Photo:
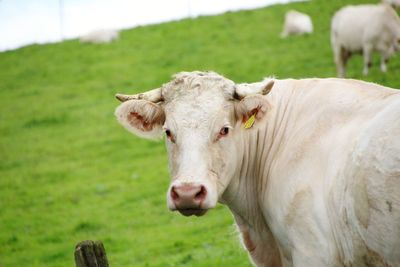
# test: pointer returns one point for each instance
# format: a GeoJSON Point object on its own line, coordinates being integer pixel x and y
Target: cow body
{"type": "Point", "coordinates": [315, 181]}
{"type": "Point", "coordinates": [364, 29]}
{"type": "Point", "coordinates": [393, 3]}
{"type": "Point", "coordinates": [326, 173]}
{"type": "Point", "coordinates": [296, 23]}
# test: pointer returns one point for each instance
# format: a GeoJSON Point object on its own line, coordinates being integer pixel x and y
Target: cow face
{"type": "Point", "coordinates": [201, 115]}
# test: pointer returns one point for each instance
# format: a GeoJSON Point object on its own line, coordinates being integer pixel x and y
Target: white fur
{"type": "Point", "coordinates": [393, 3]}
{"type": "Point", "coordinates": [100, 36]}
{"type": "Point", "coordinates": [296, 23]}
{"type": "Point", "coordinates": [364, 28]}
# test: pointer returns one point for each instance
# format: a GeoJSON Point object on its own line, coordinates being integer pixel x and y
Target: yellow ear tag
{"type": "Point", "coordinates": [250, 121]}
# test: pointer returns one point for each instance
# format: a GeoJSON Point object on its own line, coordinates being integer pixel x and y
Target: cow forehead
{"type": "Point", "coordinates": [197, 85]}
{"type": "Point", "coordinates": [198, 112]}
{"type": "Point", "coordinates": [197, 98]}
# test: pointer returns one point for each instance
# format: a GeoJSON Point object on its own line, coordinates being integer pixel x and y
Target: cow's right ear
{"type": "Point", "coordinates": [141, 117]}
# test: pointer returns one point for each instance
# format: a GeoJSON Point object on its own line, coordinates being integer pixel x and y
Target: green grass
{"type": "Point", "coordinates": [69, 172]}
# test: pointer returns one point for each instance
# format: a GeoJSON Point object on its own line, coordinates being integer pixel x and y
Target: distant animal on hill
{"type": "Point", "coordinates": [309, 168]}
{"type": "Point", "coordinates": [364, 29]}
{"type": "Point", "coordinates": [393, 3]}
{"type": "Point", "coordinates": [100, 36]}
{"type": "Point", "coordinates": [296, 23]}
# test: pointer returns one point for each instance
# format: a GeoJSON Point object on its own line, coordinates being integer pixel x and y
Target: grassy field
{"type": "Point", "coordinates": [69, 172]}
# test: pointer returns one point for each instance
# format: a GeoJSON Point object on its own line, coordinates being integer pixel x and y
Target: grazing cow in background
{"type": "Point", "coordinates": [393, 3]}
{"type": "Point", "coordinates": [296, 23]}
{"type": "Point", "coordinates": [364, 29]}
{"type": "Point", "coordinates": [100, 36]}
{"type": "Point", "coordinates": [309, 168]}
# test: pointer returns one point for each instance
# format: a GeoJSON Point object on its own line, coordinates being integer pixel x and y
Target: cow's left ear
{"type": "Point", "coordinates": [253, 104]}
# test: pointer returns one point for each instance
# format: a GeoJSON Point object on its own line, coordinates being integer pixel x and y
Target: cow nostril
{"type": "Point", "coordinates": [201, 194]}
{"type": "Point", "coordinates": [174, 194]}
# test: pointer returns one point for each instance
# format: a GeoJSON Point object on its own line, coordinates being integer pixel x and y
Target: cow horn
{"type": "Point", "coordinates": [244, 89]}
{"type": "Point", "coordinates": [154, 96]}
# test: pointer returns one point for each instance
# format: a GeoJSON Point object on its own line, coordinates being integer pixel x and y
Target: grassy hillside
{"type": "Point", "coordinates": [68, 172]}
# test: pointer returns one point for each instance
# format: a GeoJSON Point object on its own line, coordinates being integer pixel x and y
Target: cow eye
{"type": "Point", "coordinates": [169, 135]}
{"type": "Point", "coordinates": [224, 131]}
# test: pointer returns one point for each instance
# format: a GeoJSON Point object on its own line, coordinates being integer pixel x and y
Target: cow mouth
{"type": "Point", "coordinates": [190, 212]}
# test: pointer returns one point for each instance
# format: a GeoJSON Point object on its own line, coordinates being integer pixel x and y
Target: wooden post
{"type": "Point", "coordinates": [90, 253]}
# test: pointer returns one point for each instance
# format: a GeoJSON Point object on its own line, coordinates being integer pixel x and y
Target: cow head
{"type": "Point", "coordinates": [202, 116]}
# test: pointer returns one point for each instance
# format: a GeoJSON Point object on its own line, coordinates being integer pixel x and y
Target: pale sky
{"type": "Point", "coordinates": [25, 22]}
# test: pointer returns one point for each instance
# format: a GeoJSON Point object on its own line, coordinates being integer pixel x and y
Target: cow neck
{"type": "Point", "coordinates": [257, 148]}
{"type": "Point", "coordinates": [242, 194]}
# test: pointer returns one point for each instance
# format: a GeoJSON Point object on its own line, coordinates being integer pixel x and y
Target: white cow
{"type": "Point", "coordinates": [296, 23]}
{"type": "Point", "coordinates": [309, 168]}
{"type": "Point", "coordinates": [100, 36]}
{"type": "Point", "coordinates": [393, 3]}
{"type": "Point", "coordinates": [364, 28]}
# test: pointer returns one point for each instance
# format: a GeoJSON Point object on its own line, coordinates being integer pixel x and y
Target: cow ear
{"type": "Point", "coordinates": [251, 109]}
{"type": "Point", "coordinates": [141, 117]}
{"type": "Point", "coordinates": [253, 106]}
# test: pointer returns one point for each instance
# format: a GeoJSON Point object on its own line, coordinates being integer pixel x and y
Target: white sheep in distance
{"type": "Point", "coordinates": [296, 23]}
{"type": "Point", "coordinates": [100, 36]}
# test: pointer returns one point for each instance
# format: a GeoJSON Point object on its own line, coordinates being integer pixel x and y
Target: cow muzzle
{"type": "Point", "coordinates": [188, 198]}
